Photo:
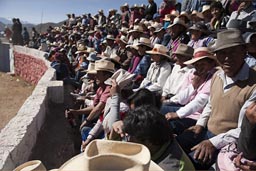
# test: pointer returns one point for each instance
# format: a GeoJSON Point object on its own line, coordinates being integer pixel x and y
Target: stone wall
{"type": "Point", "coordinates": [19, 136]}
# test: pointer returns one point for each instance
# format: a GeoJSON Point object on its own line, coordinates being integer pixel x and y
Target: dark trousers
{"type": "Point", "coordinates": [188, 139]}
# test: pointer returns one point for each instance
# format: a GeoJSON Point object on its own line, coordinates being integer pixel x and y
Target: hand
{"type": "Point", "coordinates": [197, 129]}
{"type": "Point", "coordinates": [118, 128]}
{"type": "Point", "coordinates": [85, 123]}
{"type": "Point", "coordinates": [245, 166]}
{"type": "Point", "coordinates": [171, 116]}
{"type": "Point", "coordinates": [241, 7]}
{"type": "Point", "coordinates": [204, 151]}
{"type": "Point", "coordinates": [114, 88]}
{"type": "Point", "coordinates": [85, 143]}
{"type": "Point", "coordinates": [163, 98]}
{"type": "Point", "coordinates": [251, 113]}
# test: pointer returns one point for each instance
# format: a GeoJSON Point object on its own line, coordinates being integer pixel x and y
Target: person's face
{"type": "Point", "coordinates": [101, 77]}
{"type": "Point", "coordinates": [195, 34]}
{"type": "Point", "coordinates": [180, 59]}
{"type": "Point", "coordinates": [141, 50]}
{"type": "Point", "coordinates": [156, 58]}
{"type": "Point", "coordinates": [216, 12]}
{"type": "Point", "coordinates": [174, 31]}
{"type": "Point", "coordinates": [203, 67]}
{"type": "Point", "coordinates": [231, 59]}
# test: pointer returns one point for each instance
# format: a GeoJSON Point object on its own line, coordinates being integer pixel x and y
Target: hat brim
{"type": "Point", "coordinates": [192, 61]}
{"type": "Point", "coordinates": [158, 53]}
{"type": "Point", "coordinates": [183, 54]}
{"type": "Point", "coordinates": [77, 163]}
{"type": "Point", "coordinates": [227, 46]}
{"type": "Point", "coordinates": [184, 25]}
{"type": "Point", "coordinates": [143, 44]}
{"type": "Point", "coordinates": [104, 69]}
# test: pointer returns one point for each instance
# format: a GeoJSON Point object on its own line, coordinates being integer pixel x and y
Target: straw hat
{"type": "Point", "coordinates": [112, 155]}
{"type": "Point", "coordinates": [196, 13]}
{"type": "Point", "coordinates": [167, 17]}
{"type": "Point", "coordinates": [91, 69]}
{"type": "Point", "coordinates": [122, 77]}
{"type": "Point", "coordinates": [90, 50]}
{"type": "Point", "coordinates": [185, 14]}
{"type": "Point", "coordinates": [136, 28]}
{"type": "Point", "coordinates": [80, 48]}
{"type": "Point", "coordinates": [184, 50]}
{"type": "Point", "coordinates": [228, 38]}
{"type": "Point", "coordinates": [176, 21]}
{"type": "Point", "coordinates": [115, 59]}
{"type": "Point", "coordinates": [34, 165]}
{"type": "Point", "coordinates": [206, 8]}
{"type": "Point", "coordinates": [104, 65]}
{"type": "Point", "coordinates": [110, 37]}
{"type": "Point", "coordinates": [159, 50]}
{"type": "Point", "coordinates": [144, 41]}
{"type": "Point", "coordinates": [174, 13]}
{"type": "Point", "coordinates": [124, 30]}
{"type": "Point", "coordinates": [124, 39]}
{"type": "Point", "coordinates": [200, 53]}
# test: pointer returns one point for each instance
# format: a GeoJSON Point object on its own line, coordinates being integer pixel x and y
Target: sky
{"type": "Point", "coordinates": [37, 11]}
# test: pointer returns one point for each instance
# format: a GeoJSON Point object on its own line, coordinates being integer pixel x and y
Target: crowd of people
{"type": "Point", "coordinates": [177, 78]}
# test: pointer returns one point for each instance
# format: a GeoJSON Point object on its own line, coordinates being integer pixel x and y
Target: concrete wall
{"type": "Point", "coordinates": [19, 136]}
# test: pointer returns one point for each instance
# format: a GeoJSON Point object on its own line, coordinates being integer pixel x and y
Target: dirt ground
{"type": "Point", "coordinates": [13, 93]}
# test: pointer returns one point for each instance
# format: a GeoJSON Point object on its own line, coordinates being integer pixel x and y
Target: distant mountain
{"type": "Point", "coordinates": [2, 25]}
{"type": "Point", "coordinates": [5, 21]}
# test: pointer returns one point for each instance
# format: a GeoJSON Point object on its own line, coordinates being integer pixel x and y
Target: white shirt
{"type": "Point", "coordinates": [232, 135]}
{"type": "Point", "coordinates": [175, 81]}
{"type": "Point", "coordinates": [156, 76]}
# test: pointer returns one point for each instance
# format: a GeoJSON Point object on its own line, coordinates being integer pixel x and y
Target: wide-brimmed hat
{"type": "Point", "coordinates": [125, 5]}
{"type": "Point", "coordinates": [177, 21]}
{"type": "Point", "coordinates": [206, 8]}
{"type": "Point", "coordinates": [33, 165]}
{"type": "Point", "coordinates": [114, 58]}
{"type": "Point", "coordinates": [144, 41]}
{"type": "Point", "coordinates": [124, 30]}
{"type": "Point", "coordinates": [110, 37]}
{"type": "Point", "coordinates": [122, 77]}
{"type": "Point", "coordinates": [200, 53]}
{"type": "Point", "coordinates": [199, 27]}
{"type": "Point", "coordinates": [104, 65]}
{"type": "Point", "coordinates": [90, 50]}
{"type": "Point", "coordinates": [228, 38]}
{"type": "Point", "coordinates": [184, 50]}
{"type": "Point", "coordinates": [136, 28]}
{"type": "Point", "coordinates": [174, 13]}
{"type": "Point", "coordinates": [167, 17]}
{"type": "Point", "coordinates": [159, 50]}
{"type": "Point", "coordinates": [112, 155]}
{"type": "Point", "coordinates": [185, 14]}
{"type": "Point", "coordinates": [100, 11]}
{"type": "Point", "coordinates": [196, 13]}
{"type": "Point", "coordinates": [124, 39]}
{"type": "Point", "coordinates": [93, 57]}
{"type": "Point", "coordinates": [81, 48]}
{"type": "Point", "coordinates": [248, 37]}
{"type": "Point", "coordinates": [91, 68]}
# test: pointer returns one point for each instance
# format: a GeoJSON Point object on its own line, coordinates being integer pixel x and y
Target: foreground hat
{"type": "Point", "coordinates": [159, 50]}
{"type": "Point", "coordinates": [104, 65]}
{"type": "Point", "coordinates": [112, 155]}
{"type": "Point", "coordinates": [200, 53]}
{"type": "Point", "coordinates": [122, 77]}
{"type": "Point", "coordinates": [91, 69]}
{"type": "Point", "coordinates": [144, 41]}
{"type": "Point", "coordinates": [228, 38]}
{"type": "Point", "coordinates": [177, 21]}
{"type": "Point", "coordinates": [34, 165]}
{"type": "Point", "coordinates": [184, 50]}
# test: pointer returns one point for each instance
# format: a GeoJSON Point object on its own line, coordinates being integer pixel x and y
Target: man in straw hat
{"type": "Point", "coordinates": [180, 71]}
{"type": "Point", "coordinates": [104, 69]}
{"type": "Point", "coordinates": [225, 110]}
{"type": "Point", "coordinates": [158, 70]}
{"type": "Point", "coordinates": [178, 34]}
{"type": "Point", "coordinates": [145, 125]}
{"type": "Point", "coordinates": [195, 96]}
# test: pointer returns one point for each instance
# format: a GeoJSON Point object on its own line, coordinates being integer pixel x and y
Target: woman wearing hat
{"type": "Point", "coordinates": [159, 70]}
{"type": "Point", "coordinates": [195, 96]}
{"type": "Point", "coordinates": [199, 36]}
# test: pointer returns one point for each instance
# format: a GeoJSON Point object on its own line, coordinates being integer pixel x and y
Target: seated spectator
{"type": "Point", "coordinates": [145, 125]}
{"type": "Point", "coordinates": [136, 57]}
{"type": "Point", "coordinates": [199, 36]}
{"type": "Point", "coordinates": [219, 18]}
{"type": "Point", "coordinates": [241, 155]}
{"type": "Point", "coordinates": [193, 98]}
{"type": "Point", "coordinates": [158, 70]}
{"type": "Point", "coordinates": [223, 113]}
{"type": "Point", "coordinates": [175, 81]}
{"type": "Point", "coordinates": [250, 39]}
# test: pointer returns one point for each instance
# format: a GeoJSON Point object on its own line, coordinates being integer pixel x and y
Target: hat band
{"type": "Point", "coordinates": [158, 51]}
{"type": "Point", "coordinates": [201, 54]}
